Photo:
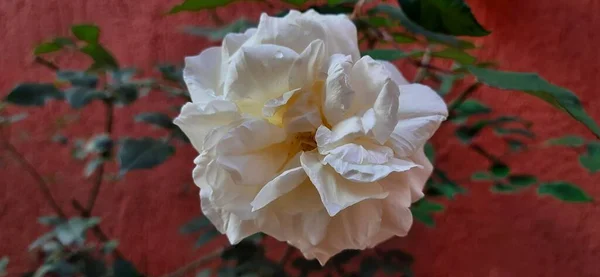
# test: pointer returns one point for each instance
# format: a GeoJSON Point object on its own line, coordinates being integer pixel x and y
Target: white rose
{"type": "Point", "coordinates": [303, 140]}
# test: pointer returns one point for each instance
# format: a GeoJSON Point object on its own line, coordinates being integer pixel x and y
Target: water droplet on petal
{"type": "Point", "coordinates": [279, 55]}
{"type": "Point", "coordinates": [343, 107]}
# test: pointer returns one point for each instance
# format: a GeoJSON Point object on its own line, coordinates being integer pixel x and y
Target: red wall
{"type": "Point", "coordinates": [480, 234]}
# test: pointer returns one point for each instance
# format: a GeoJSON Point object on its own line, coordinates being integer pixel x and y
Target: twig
{"type": "Point", "coordinates": [41, 183]}
{"type": "Point", "coordinates": [357, 9]}
{"type": "Point", "coordinates": [216, 18]}
{"type": "Point", "coordinates": [195, 264]}
{"type": "Point", "coordinates": [479, 150]}
{"type": "Point", "coordinates": [462, 97]}
{"type": "Point", "coordinates": [108, 126]}
{"type": "Point", "coordinates": [98, 232]}
{"type": "Point", "coordinates": [47, 63]}
{"type": "Point", "coordinates": [422, 71]}
{"type": "Point", "coordinates": [288, 254]}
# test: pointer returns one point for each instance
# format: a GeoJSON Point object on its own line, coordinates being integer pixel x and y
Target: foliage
{"type": "Point", "coordinates": [418, 31]}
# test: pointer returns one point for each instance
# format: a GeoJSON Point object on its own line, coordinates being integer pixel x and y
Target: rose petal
{"type": "Point", "coordinates": [340, 32]}
{"type": "Point", "coordinates": [395, 74]}
{"type": "Point", "coordinates": [343, 132]}
{"type": "Point", "coordinates": [202, 75]}
{"type": "Point", "coordinates": [336, 192]}
{"type": "Point", "coordinates": [291, 177]}
{"type": "Point", "coordinates": [339, 95]}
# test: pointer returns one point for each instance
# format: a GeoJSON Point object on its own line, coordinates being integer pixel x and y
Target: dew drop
{"type": "Point", "coordinates": [279, 55]}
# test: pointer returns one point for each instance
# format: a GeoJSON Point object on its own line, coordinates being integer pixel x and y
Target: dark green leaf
{"type": "Point", "coordinates": [430, 152]}
{"type": "Point", "coordinates": [86, 32]}
{"type": "Point", "coordinates": [391, 54]}
{"type": "Point", "coordinates": [92, 267]}
{"type": "Point", "coordinates": [195, 225]}
{"type": "Point", "coordinates": [568, 140]}
{"type": "Point", "coordinates": [397, 14]}
{"type": "Point", "coordinates": [73, 231]}
{"type": "Point", "coordinates": [32, 94]}
{"type": "Point", "coordinates": [79, 97]}
{"type": "Point", "coordinates": [52, 46]}
{"type": "Point", "coordinates": [303, 264]}
{"type": "Point", "coordinates": [423, 209]}
{"type": "Point", "coordinates": [242, 252]}
{"type": "Point", "coordinates": [78, 78]}
{"type": "Point", "coordinates": [591, 158]}
{"type": "Point", "coordinates": [522, 180]}
{"type": "Point", "coordinates": [51, 220]}
{"type": "Point", "coordinates": [126, 94]}
{"type": "Point", "coordinates": [196, 5]}
{"type": "Point", "coordinates": [452, 17]}
{"type": "Point", "coordinates": [379, 21]}
{"type": "Point", "coordinates": [101, 57]}
{"type": "Point", "coordinates": [156, 119]}
{"type": "Point", "coordinates": [368, 267]}
{"type": "Point", "coordinates": [533, 84]}
{"type": "Point", "coordinates": [472, 107]}
{"type": "Point", "coordinates": [564, 191]}
{"type": "Point", "coordinates": [218, 33]}
{"type": "Point", "coordinates": [481, 176]}
{"type": "Point", "coordinates": [101, 143]}
{"type": "Point", "coordinates": [171, 72]}
{"type": "Point", "coordinates": [447, 83]}
{"type": "Point", "coordinates": [515, 145]}
{"type": "Point", "coordinates": [335, 2]}
{"type": "Point", "coordinates": [499, 170]}
{"type": "Point", "coordinates": [503, 188]}
{"type": "Point", "coordinates": [465, 133]}
{"type": "Point", "coordinates": [110, 246]}
{"type": "Point", "coordinates": [142, 153]}
{"type": "Point", "coordinates": [514, 131]}
{"type": "Point", "coordinates": [3, 264]}
{"type": "Point", "coordinates": [344, 257]}
{"type": "Point", "coordinates": [450, 190]}
{"type": "Point", "coordinates": [403, 38]}
{"type": "Point", "coordinates": [124, 268]}
{"type": "Point", "coordinates": [458, 55]}
{"type": "Point", "coordinates": [295, 2]}
{"type": "Point", "coordinates": [121, 76]}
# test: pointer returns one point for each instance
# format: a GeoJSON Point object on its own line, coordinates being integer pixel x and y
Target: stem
{"type": "Point", "coordinates": [357, 9]}
{"type": "Point", "coordinates": [47, 63]}
{"type": "Point", "coordinates": [108, 126]}
{"type": "Point", "coordinates": [288, 254]}
{"type": "Point", "coordinates": [422, 72]}
{"type": "Point", "coordinates": [98, 232]}
{"type": "Point", "coordinates": [475, 147]}
{"type": "Point", "coordinates": [462, 97]}
{"type": "Point", "coordinates": [216, 18]}
{"type": "Point", "coordinates": [41, 183]}
{"type": "Point", "coordinates": [195, 264]}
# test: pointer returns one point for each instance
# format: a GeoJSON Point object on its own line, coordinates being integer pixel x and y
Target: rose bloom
{"type": "Point", "coordinates": [302, 139]}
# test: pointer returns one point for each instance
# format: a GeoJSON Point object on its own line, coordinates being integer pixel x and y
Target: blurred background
{"type": "Point", "coordinates": [479, 234]}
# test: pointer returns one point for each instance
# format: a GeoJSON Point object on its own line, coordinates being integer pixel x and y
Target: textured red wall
{"type": "Point", "coordinates": [480, 234]}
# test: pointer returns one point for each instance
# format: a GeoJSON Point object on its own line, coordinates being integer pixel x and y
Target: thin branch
{"type": "Point", "coordinates": [52, 66]}
{"type": "Point", "coordinates": [422, 71]}
{"type": "Point", "coordinates": [462, 97]}
{"type": "Point", "coordinates": [357, 9]}
{"type": "Point", "coordinates": [98, 232]}
{"type": "Point", "coordinates": [108, 126]}
{"type": "Point", "coordinates": [195, 264]}
{"type": "Point", "coordinates": [479, 150]}
{"type": "Point", "coordinates": [41, 183]}
{"type": "Point", "coordinates": [216, 18]}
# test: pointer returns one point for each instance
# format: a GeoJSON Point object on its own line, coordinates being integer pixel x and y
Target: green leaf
{"type": "Point", "coordinates": [380, 21]}
{"type": "Point", "coordinates": [204, 273]}
{"type": "Point", "coordinates": [79, 97]}
{"type": "Point", "coordinates": [156, 119]}
{"type": "Point", "coordinates": [397, 14]}
{"type": "Point", "coordinates": [447, 83]}
{"type": "Point", "coordinates": [564, 191]}
{"type": "Point", "coordinates": [533, 84]}
{"type": "Point", "coordinates": [295, 2]}
{"type": "Point", "coordinates": [450, 190]}
{"type": "Point", "coordinates": [514, 131]}
{"type": "Point", "coordinates": [126, 94]}
{"type": "Point", "coordinates": [218, 33]}
{"type": "Point", "coordinates": [142, 153]}
{"type": "Point", "coordinates": [196, 5]}
{"type": "Point", "coordinates": [33, 94]}
{"type": "Point", "coordinates": [452, 17]}
{"type": "Point", "coordinates": [195, 225]}
{"type": "Point", "coordinates": [335, 2]}
{"type": "Point", "coordinates": [568, 140]}
{"type": "Point", "coordinates": [52, 46]}
{"type": "Point", "coordinates": [591, 158]}
{"type": "Point", "coordinates": [91, 166]}
{"type": "Point", "coordinates": [86, 32]}
{"type": "Point", "coordinates": [101, 57]}
{"type": "Point", "coordinates": [171, 72]}
{"type": "Point", "coordinates": [522, 180]}
{"type": "Point", "coordinates": [423, 209]}
{"type": "Point", "coordinates": [472, 107]}
{"type": "Point", "coordinates": [3, 264]}
{"type": "Point", "coordinates": [74, 229]}
{"type": "Point", "coordinates": [51, 220]}
{"type": "Point", "coordinates": [499, 170]}
{"type": "Point", "coordinates": [458, 55]}
{"type": "Point", "coordinates": [481, 176]}
{"type": "Point", "coordinates": [403, 38]}
{"type": "Point", "coordinates": [78, 78]}
{"type": "Point", "coordinates": [124, 268]}
{"type": "Point", "coordinates": [206, 237]}
{"type": "Point", "coordinates": [503, 188]}
{"type": "Point", "coordinates": [110, 246]}
{"type": "Point", "coordinates": [391, 54]}
{"type": "Point", "coordinates": [430, 152]}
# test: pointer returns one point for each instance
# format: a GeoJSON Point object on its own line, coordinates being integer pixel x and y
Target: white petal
{"type": "Point", "coordinates": [196, 120]}
{"type": "Point", "coordinates": [367, 79]}
{"type": "Point", "coordinates": [407, 187]}
{"type": "Point", "coordinates": [339, 95]}
{"type": "Point", "coordinates": [421, 111]}
{"type": "Point", "coordinates": [251, 135]}
{"type": "Point", "coordinates": [202, 75]}
{"type": "Point", "coordinates": [386, 111]}
{"type": "Point", "coordinates": [303, 115]}
{"type": "Point", "coordinates": [259, 73]}
{"type": "Point", "coordinates": [365, 163]}
{"type": "Point", "coordinates": [343, 132]}
{"type": "Point", "coordinates": [272, 105]}
{"type": "Point", "coordinates": [232, 43]}
{"type": "Point", "coordinates": [227, 223]}
{"type": "Point", "coordinates": [336, 192]}
{"type": "Point", "coordinates": [395, 74]}
{"type": "Point", "coordinates": [291, 31]}
{"type": "Point", "coordinates": [308, 65]}
{"type": "Point", "coordinates": [292, 176]}
{"type": "Point", "coordinates": [340, 32]}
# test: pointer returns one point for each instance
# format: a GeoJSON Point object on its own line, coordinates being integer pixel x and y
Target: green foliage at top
{"type": "Point", "coordinates": [197, 5]}
{"type": "Point", "coordinates": [452, 17]}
